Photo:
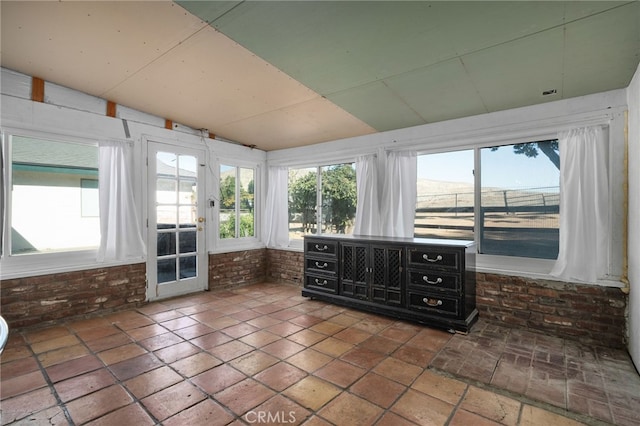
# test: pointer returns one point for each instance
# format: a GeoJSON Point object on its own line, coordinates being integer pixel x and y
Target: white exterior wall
{"type": "Point", "coordinates": [633, 322]}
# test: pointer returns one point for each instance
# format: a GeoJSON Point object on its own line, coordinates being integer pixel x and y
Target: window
{"type": "Point", "coordinates": [322, 200]}
{"type": "Point", "coordinates": [445, 196]}
{"type": "Point", "coordinates": [90, 198]}
{"type": "Point", "coordinates": [517, 206]}
{"type": "Point", "coordinates": [52, 203]}
{"type": "Point", "coordinates": [520, 200]}
{"type": "Point", "coordinates": [236, 218]}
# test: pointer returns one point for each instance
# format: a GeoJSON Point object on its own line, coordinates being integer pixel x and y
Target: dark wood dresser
{"type": "Point", "coordinates": [430, 281]}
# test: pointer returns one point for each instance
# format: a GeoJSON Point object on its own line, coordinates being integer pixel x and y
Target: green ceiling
{"type": "Point", "coordinates": [396, 64]}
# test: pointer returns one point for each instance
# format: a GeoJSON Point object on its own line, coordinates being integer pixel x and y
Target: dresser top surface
{"type": "Point", "coordinates": [376, 238]}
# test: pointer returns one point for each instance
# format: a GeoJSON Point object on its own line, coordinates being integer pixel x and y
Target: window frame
{"type": "Point", "coordinates": [33, 264]}
{"type": "Point", "coordinates": [500, 128]}
{"type": "Point", "coordinates": [530, 267]}
{"type": "Point", "coordinates": [222, 245]}
{"type": "Point", "coordinates": [489, 263]}
{"type": "Point", "coordinates": [297, 243]}
{"type": "Point", "coordinates": [478, 197]}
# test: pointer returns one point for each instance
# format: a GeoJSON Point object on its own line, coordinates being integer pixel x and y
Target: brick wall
{"type": "Point", "coordinates": [237, 268]}
{"type": "Point", "coordinates": [41, 299]}
{"type": "Point", "coordinates": [285, 266]}
{"type": "Point", "coordinates": [587, 313]}
{"type": "Point", "coordinates": [590, 314]}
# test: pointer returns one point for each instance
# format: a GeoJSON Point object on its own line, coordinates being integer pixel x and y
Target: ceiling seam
{"type": "Point", "coordinates": [318, 97]}
{"type": "Point", "coordinates": [162, 55]}
{"type": "Point", "coordinates": [563, 25]}
{"type": "Point", "coordinates": [210, 23]}
{"type": "Point", "coordinates": [459, 56]}
{"type": "Point", "coordinates": [473, 83]}
{"type": "Point", "coordinates": [401, 99]}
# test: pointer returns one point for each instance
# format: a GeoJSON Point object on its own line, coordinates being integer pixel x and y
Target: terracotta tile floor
{"type": "Point", "coordinates": [263, 354]}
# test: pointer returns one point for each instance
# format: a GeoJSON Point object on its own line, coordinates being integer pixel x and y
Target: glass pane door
{"type": "Point", "coordinates": [178, 222]}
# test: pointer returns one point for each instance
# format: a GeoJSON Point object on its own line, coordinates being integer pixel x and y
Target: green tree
{"type": "Point", "coordinates": [530, 149]}
{"type": "Point", "coordinates": [228, 227]}
{"type": "Point", "coordinates": [228, 208]}
{"type": "Point", "coordinates": [247, 196]}
{"type": "Point", "coordinates": [339, 197]}
{"type": "Point", "coordinates": [228, 193]}
{"type": "Point", "coordinates": [302, 199]}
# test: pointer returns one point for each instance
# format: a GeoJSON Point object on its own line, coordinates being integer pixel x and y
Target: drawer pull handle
{"type": "Point", "coordinates": [432, 302]}
{"type": "Point", "coordinates": [428, 259]}
{"type": "Point", "coordinates": [426, 280]}
{"type": "Point", "coordinates": [318, 282]}
{"type": "Point", "coordinates": [321, 266]}
{"type": "Point", "coordinates": [323, 248]}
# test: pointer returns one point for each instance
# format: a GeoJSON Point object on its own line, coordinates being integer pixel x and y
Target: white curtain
{"type": "Point", "coordinates": [119, 227]}
{"type": "Point", "coordinates": [367, 220]}
{"type": "Point", "coordinates": [584, 205]}
{"type": "Point", "coordinates": [399, 195]}
{"type": "Point", "coordinates": [276, 218]}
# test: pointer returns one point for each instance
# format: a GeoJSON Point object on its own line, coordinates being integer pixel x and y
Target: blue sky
{"type": "Point", "coordinates": [501, 168]}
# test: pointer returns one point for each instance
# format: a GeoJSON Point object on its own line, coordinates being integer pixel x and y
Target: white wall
{"type": "Point", "coordinates": [633, 95]}
{"type": "Point", "coordinates": [73, 113]}
{"type": "Point", "coordinates": [70, 113]}
{"type": "Point", "coordinates": [538, 122]}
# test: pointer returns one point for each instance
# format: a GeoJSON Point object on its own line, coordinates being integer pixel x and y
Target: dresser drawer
{"type": "Point", "coordinates": [319, 265]}
{"type": "Point", "coordinates": [322, 283]}
{"type": "Point", "coordinates": [435, 304]}
{"type": "Point", "coordinates": [433, 279]}
{"type": "Point", "coordinates": [321, 247]}
{"type": "Point", "coordinates": [434, 257]}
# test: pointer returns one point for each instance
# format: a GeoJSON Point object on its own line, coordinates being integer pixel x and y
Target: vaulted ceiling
{"type": "Point", "coordinates": [283, 74]}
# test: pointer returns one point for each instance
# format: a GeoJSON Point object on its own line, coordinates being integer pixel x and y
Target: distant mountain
{"type": "Point", "coordinates": [434, 193]}
{"type": "Point", "coordinates": [433, 187]}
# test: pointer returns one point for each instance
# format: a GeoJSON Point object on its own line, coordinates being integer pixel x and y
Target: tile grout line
{"type": "Point", "coordinates": [52, 389]}
{"type": "Point", "coordinates": [106, 367]}
{"type": "Point", "coordinates": [185, 378]}
{"type": "Point", "coordinates": [326, 316]}
{"type": "Point", "coordinates": [523, 399]}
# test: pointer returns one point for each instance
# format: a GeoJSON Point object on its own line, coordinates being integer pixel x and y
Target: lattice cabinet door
{"type": "Point", "coordinates": [386, 274]}
{"type": "Point", "coordinates": [355, 271]}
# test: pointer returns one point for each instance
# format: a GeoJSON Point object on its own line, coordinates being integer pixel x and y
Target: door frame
{"type": "Point", "coordinates": [152, 144]}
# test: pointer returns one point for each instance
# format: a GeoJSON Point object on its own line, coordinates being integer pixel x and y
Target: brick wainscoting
{"type": "Point", "coordinates": [42, 299]}
{"type": "Point", "coordinates": [237, 268]}
{"type": "Point", "coordinates": [590, 314]}
{"type": "Point", "coordinates": [285, 266]}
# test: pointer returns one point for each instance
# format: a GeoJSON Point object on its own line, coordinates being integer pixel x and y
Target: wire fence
{"type": "Point", "coordinates": [520, 221]}
{"type": "Point", "coordinates": [539, 196]}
